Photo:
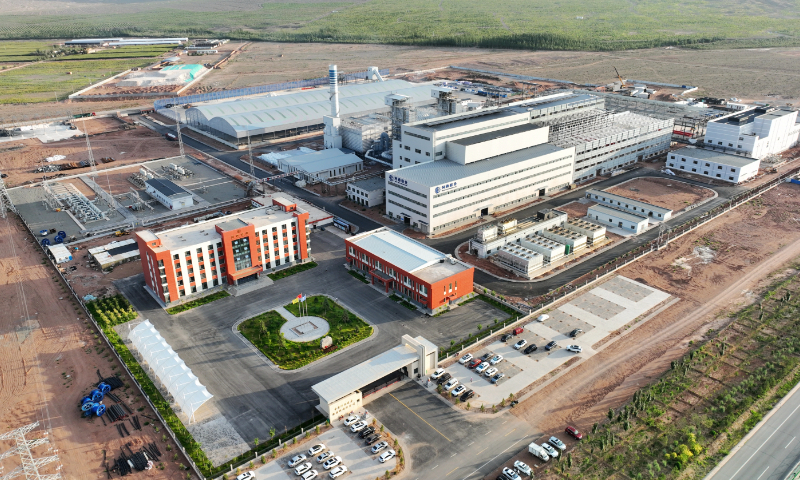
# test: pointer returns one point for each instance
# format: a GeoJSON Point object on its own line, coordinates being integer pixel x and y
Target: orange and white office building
{"type": "Point", "coordinates": [189, 260]}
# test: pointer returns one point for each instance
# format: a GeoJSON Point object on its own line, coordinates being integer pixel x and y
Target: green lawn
{"type": "Point", "coordinates": [286, 272]}
{"type": "Point", "coordinates": [263, 331]}
{"type": "Point", "coordinates": [197, 302]}
{"type": "Point", "coordinates": [22, 51]}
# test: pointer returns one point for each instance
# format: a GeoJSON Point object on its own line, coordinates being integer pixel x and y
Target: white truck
{"type": "Point", "coordinates": [538, 451]}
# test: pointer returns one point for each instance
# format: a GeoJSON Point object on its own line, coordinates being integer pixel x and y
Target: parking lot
{"type": "Point", "coordinates": [597, 312]}
{"type": "Point", "coordinates": [361, 463]}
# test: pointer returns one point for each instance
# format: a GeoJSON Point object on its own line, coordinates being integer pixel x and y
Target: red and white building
{"type": "Point", "coordinates": [411, 269]}
{"type": "Point", "coordinates": [189, 260]}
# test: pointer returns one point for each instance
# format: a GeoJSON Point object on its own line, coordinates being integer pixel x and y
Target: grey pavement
{"type": "Point", "coordinates": [771, 451]}
{"type": "Point", "coordinates": [253, 395]}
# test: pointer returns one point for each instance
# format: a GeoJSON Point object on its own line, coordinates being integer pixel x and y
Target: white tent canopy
{"type": "Point", "coordinates": [181, 383]}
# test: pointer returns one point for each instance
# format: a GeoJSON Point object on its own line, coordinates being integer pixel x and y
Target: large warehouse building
{"type": "Point", "coordinates": [270, 117]}
{"type": "Point", "coordinates": [754, 133]}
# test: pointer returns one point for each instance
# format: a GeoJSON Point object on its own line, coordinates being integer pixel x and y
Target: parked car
{"type": "Point", "coordinates": [574, 433]}
{"type": "Point", "coordinates": [387, 455]}
{"type": "Point", "coordinates": [357, 427]}
{"type": "Point", "coordinates": [497, 359]}
{"type": "Point", "coordinates": [490, 372]}
{"type": "Point", "coordinates": [451, 384]}
{"type": "Point", "coordinates": [338, 471]}
{"type": "Point", "coordinates": [522, 467]}
{"type": "Point", "coordinates": [550, 450]}
{"type": "Point", "coordinates": [575, 332]}
{"type": "Point", "coordinates": [474, 363]}
{"type": "Point", "coordinates": [379, 446]}
{"type": "Point", "coordinates": [366, 432]}
{"type": "Point", "coordinates": [466, 358]}
{"type": "Point", "coordinates": [332, 463]}
{"type": "Point", "coordinates": [530, 349]}
{"type": "Point", "coordinates": [437, 373]}
{"type": "Point", "coordinates": [246, 476]}
{"type": "Point", "coordinates": [467, 395]}
{"type": "Point", "coordinates": [296, 460]}
{"type": "Point", "coordinates": [551, 345]}
{"type": "Point", "coordinates": [302, 468]}
{"type": "Point", "coordinates": [542, 318]}
{"type": "Point", "coordinates": [487, 356]}
{"type": "Point", "coordinates": [556, 442]}
{"type": "Point", "coordinates": [458, 390]}
{"type": "Point", "coordinates": [316, 449]}
{"type": "Point", "coordinates": [372, 438]}
{"type": "Point", "coordinates": [575, 348]}
{"type": "Point", "coordinates": [444, 378]}
{"type": "Point", "coordinates": [520, 344]}
{"type": "Point", "coordinates": [482, 367]}
{"type": "Point", "coordinates": [505, 337]}
{"type": "Point", "coordinates": [498, 377]}
{"type": "Point", "coordinates": [310, 474]}
{"type": "Point", "coordinates": [518, 330]}
{"type": "Point", "coordinates": [324, 456]}
{"type": "Point", "coordinates": [510, 473]}
{"type": "Point", "coordinates": [351, 420]}
{"type": "Point", "coordinates": [513, 403]}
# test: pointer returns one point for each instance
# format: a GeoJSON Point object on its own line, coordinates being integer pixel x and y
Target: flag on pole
{"type": "Point", "coordinates": [296, 300]}
{"type": "Point", "coordinates": [303, 299]}
{"type": "Point", "coordinates": [300, 296]}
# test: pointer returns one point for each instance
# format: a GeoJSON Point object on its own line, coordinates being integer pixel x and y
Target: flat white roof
{"type": "Point", "coordinates": [397, 249]}
{"type": "Point", "coordinates": [315, 214]}
{"type": "Point", "coordinates": [604, 210]}
{"type": "Point", "coordinates": [365, 373]}
{"type": "Point", "coordinates": [627, 201]}
{"type": "Point", "coordinates": [716, 157]}
{"type": "Point", "coordinates": [321, 161]}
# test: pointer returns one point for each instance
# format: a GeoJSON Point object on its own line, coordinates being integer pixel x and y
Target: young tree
{"type": "Point", "coordinates": [611, 414]}
{"type": "Point", "coordinates": [272, 432]}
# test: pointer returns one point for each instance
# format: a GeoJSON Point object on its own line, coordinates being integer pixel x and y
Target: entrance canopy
{"type": "Point", "coordinates": [170, 369]}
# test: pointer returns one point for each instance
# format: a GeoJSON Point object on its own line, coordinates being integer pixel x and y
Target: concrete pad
{"type": "Point", "coordinates": [302, 329]}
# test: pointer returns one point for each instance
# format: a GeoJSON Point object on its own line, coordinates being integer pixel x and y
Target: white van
{"type": "Point", "coordinates": [538, 451]}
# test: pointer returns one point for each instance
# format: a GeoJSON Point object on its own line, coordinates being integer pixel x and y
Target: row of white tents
{"type": "Point", "coordinates": [170, 369]}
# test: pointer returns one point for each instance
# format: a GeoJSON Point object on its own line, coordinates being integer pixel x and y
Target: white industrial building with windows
{"type": "Point", "coordinates": [168, 193]}
{"type": "Point", "coordinates": [756, 133]}
{"type": "Point", "coordinates": [612, 217]}
{"type": "Point", "coordinates": [654, 212]}
{"type": "Point", "coordinates": [369, 192]}
{"type": "Point", "coordinates": [713, 164]}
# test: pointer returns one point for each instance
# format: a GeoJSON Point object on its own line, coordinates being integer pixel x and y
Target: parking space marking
{"type": "Point", "coordinates": [493, 458]}
{"type": "Point", "coordinates": [415, 413]}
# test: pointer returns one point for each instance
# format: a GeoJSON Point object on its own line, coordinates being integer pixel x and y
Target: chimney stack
{"type": "Point", "coordinates": [333, 78]}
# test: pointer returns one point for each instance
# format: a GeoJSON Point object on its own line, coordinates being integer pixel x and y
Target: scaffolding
{"type": "Point", "coordinates": [58, 195]}
{"type": "Point", "coordinates": [564, 129]}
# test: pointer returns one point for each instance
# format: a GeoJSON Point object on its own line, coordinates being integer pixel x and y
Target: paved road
{"type": "Point", "coordinates": [773, 449]}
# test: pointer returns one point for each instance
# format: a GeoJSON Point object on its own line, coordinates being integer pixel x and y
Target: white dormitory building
{"type": "Point", "coordinates": [452, 170]}
{"type": "Point", "coordinates": [713, 164]}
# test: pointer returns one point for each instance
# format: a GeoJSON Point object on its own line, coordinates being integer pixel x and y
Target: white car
{"type": "Point", "coordinates": [332, 463]}
{"type": "Point", "coordinates": [302, 469]}
{"type": "Point", "coordinates": [295, 461]}
{"type": "Point", "coordinates": [379, 446]}
{"type": "Point", "coordinates": [574, 348]}
{"type": "Point", "coordinates": [338, 472]}
{"type": "Point", "coordinates": [309, 475]}
{"type": "Point", "coordinates": [554, 441]}
{"type": "Point", "coordinates": [458, 390]}
{"type": "Point", "coordinates": [482, 367]}
{"type": "Point", "coordinates": [324, 456]}
{"type": "Point", "coordinates": [357, 427]}
{"type": "Point", "coordinates": [497, 359]}
{"type": "Point", "coordinates": [550, 450]}
{"type": "Point", "coordinates": [522, 467]}
{"type": "Point", "coordinates": [387, 455]}
{"type": "Point", "coordinates": [437, 373]}
{"type": "Point", "coordinates": [246, 476]}
{"type": "Point", "coordinates": [450, 384]}
{"type": "Point", "coordinates": [351, 420]}
{"type": "Point", "coordinates": [316, 449]}
{"type": "Point", "coordinates": [520, 344]}
{"type": "Point", "coordinates": [466, 358]}
{"type": "Point", "coordinates": [542, 318]}
{"type": "Point", "coordinates": [490, 372]}
{"type": "Point", "coordinates": [510, 473]}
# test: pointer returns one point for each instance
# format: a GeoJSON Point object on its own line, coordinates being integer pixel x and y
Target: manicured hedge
{"type": "Point", "coordinates": [197, 302]}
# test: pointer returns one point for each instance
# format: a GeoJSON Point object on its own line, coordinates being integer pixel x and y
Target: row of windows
{"type": "Point", "coordinates": [408, 189]}
{"type": "Point", "coordinates": [454, 222]}
{"type": "Point", "coordinates": [410, 134]}
{"type": "Point", "coordinates": [406, 199]}
{"type": "Point", "coordinates": [568, 157]}
{"type": "Point", "coordinates": [409, 209]}
{"type": "Point", "coordinates": [694, 162]}
{"type": "Point", "coordinates": [719, 175]}
{"type": "Point", "coordinates": [494, 196]}
{"type": "Point", "coordinates": [472, 194]}
{"type": "Point", "coordinates": [623, 146]}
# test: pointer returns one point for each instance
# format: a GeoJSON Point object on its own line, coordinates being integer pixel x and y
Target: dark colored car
{"type": "Point", "coordinates": [574, 433]}
{"type": "Point", "coordinates": [513, 403]}
{"type": "Point", "coordinates": [487, 356]}
{"type": "Point", "coordinates": [551, 345]}
{"type": "Point", "coordinates": [530, 349]}
{"type": "Point", "coordinates": [467, 395]}
{"type": "Point", "coordinates": [367, 431]}
{"type": "Point", "coordinates": [575, 332]}
{"type": "Point", "coordinates": [474, 363]}
{"type": "Point", "coordinates": [372, 439]}
{"type": "Point", "coordinates": [444, 378]}
{"type": "Point", "coordinates": [505, 337]}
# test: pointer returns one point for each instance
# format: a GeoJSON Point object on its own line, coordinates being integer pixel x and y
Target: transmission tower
{"type": "Point", "coordinates": [5, 201]}
{"type": "Point", "coordinates": [250, 154]}
{"type": "Point", "coordinates": [30, 466]}
{"type": "Point", "coordinates": [93, 171]}
{"type": "Point", "coordinates": [178, 128]}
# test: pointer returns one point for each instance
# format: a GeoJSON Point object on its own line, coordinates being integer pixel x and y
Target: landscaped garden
{"type": "Point", "coordinates": [264, 331]}
{"type": "Point", "coordinates": [197, 302]}
{"type": "Point", "coordinates": [300, 267]}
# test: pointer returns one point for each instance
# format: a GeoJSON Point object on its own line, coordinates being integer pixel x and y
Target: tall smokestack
{"type": "Point", "coordinates": [333, 78]}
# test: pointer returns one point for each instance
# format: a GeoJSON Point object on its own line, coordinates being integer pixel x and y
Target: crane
{"type": "Point", "coordinates": [621, 81]}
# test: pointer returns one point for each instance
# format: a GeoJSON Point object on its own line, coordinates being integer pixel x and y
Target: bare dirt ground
{"type": "Point", "coordinates": [576, 209]}
{"type": "Point", "coordinates": [714, 270]}
{"type": "Point", "coordinates": [99, 125]}
{"type": "Point", "coordinates": [125, 146]}
{"type": "Point", "coordinates": [662, 192]}
{"type": "Point", "coordinates": [49, 362]}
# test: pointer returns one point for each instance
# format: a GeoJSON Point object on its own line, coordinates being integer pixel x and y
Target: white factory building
{"type": "Point", "coordinates": [643, 209]}
{"type": "Point", "coordinates": [713, 164]}
{"type": "Point", "coordinates": [320, 165]}
{"type": "Point", "coordinates": [168, 193]}
{"type": "Point", "coordinates": [369, 192]}
{"type": "Point", "coordinates": [755, 133]}
{"type": "Point", "coordinates": [612, 217]}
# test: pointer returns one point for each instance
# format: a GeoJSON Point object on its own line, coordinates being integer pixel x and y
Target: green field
{"type": "Point", "coordinates": [135, 51]}
{"type": "Point", "coordinates": [42, 82]}
{"type": "Point", "coordinates": [554, 25]}
{"type": "Point", "coordinates": [22, 51]}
